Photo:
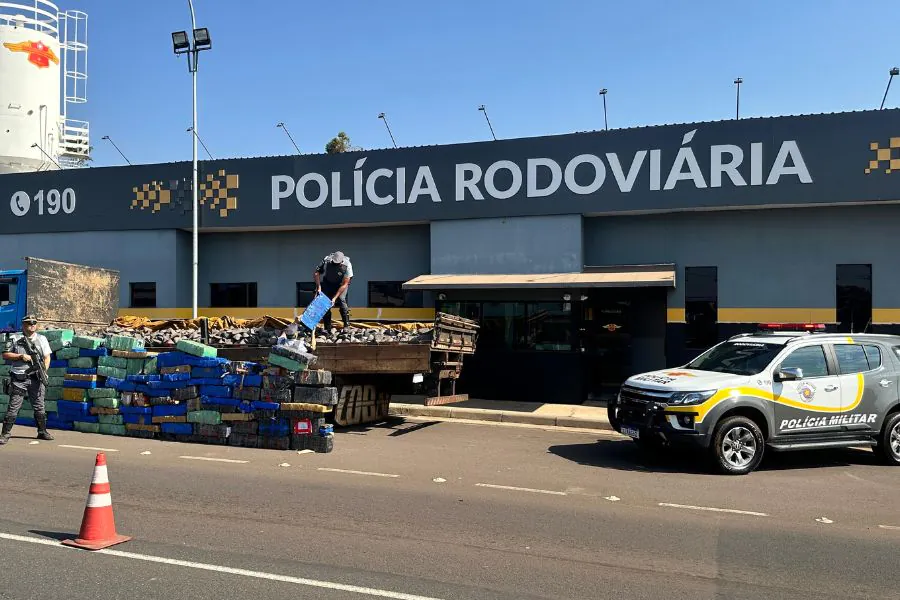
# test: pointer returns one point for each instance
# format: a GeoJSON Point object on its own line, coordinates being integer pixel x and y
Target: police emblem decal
{"type": "Point", "coordinates": [807, 392]}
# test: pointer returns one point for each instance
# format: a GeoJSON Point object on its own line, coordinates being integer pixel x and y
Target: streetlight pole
{"type": "Point", "coordinates": [894, 71]}
{"type": "Point", "coordinates": [484, 110]}
{"type": "Point", "coordinates": [283, 126]}
{"type": "Point", "coordinates": [183, 45]}
{"type": "Point", "coordinates": [605, 122]}
{"type": "Point", "coordinates": [106, 137]}
{"type": "Point", "coordinates": [738, 83]}
{"type": "Point", "coordinates": [384, 118]}
{"type": "Point", "coordinates": [199, 139]}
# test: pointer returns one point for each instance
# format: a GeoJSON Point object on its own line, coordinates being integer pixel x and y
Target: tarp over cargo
{"type": "Point", "coordinates": [266, 321]}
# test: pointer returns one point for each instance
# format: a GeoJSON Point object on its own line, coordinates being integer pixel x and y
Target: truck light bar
{"type": "Point", "coordinates": [792, 326]}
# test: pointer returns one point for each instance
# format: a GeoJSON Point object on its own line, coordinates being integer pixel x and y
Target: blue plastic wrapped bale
{"type": "Point", "coordinates": [92, 353]}
{"type": "Point", "coordinates": [142, 378]}
{"type": "Point", "coordinates": [77, 371]}
{"type": "Point", "coordinates": [259, 405]}
{"type": "Point", "coordinates": [221, 391]}
{"type": "Point", "coordinates": [75, 409]}
{"type": "Point", "coordinates": [177, 428]}
{"type": "Point", "coordinates": [173, 377]}
{"type": "Point", "coordinates": [85, 385]}
{"type": "Point", "coordinates": [274, 428]}
{"type": "Point", "coordinates": [135, 410]}
{"type": "Point", "coordinates": [25, 421]}
{"type": "Point", "coordinates": [205, 381]}
{"type": "Point", "coordinates": [88, 419]}
{"type": "Point", "coordinates": [219, 401]}
{"type": "Point", "coordinates": [206, 372]}
{"type": "Point", "coordinates": [59, 364]}
{"type": "Point", "coordinates": [115, 383]}
{"type": "Point", "coordinates": [153, 393]}
{"type": "Point", "coordinates": [170, 410]}
{"type": "Point", "coordinates": [326, 430]}
{"type": "Point", "coordinates": [235, 380]}
{"type": "Point", "coordinates": [127, 386]}
{"type": "Point", "coordinates": [171, 359]}
{"type": "Point", "coordinates": [59, 424]}
{"type": "Point", "coordinates": [137, 419]}
{"type": "Point", "coordinates": [313, 313]}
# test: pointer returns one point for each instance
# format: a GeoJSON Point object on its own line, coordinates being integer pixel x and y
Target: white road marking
{"type": "Point", "coordinates": [357, 472]}
{"type": "Point", "coordinates": [612, 498]}
{"type": "Point", "coordinates": [87, 448]}
{"type": "Point", "coordinates": [329, 585]}
{"type": "Point", "coordinates": [225, 460]}
{"type": "Point", "coordinates": [34, 443]}
{"type": "Point", "coordinates": [284, 465]}
{"type": "Point", "coordinates": [145, 453]}
{"type": "Point", "coordinates": [891, 527]}
{"type": "Point", "coordinates": [307, 451]}
{"type": "Point", "coordinates": [439, 480]}
{"type": "Point", "coordinates": [825, 520]}
{"type": "Point", "coordinates": [520, 489]}
{"type": "Point", "coordinates": [711, 509]}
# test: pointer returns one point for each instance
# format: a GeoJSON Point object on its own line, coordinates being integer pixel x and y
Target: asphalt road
{"type": "Point", "coordinates": [430, 509]}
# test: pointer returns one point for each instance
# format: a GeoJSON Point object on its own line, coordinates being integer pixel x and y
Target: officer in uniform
{"type": "Point", "coordinates": [24, 379]}
{"type": "Point", "coordinates": [332, 278]}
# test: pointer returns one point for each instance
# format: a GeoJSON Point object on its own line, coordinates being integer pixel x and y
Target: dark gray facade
{"type": "Point", "coordinates": [768, 210]}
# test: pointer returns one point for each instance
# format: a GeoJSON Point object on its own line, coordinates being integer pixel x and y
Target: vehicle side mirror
{"type": "Point", "coordinates": [788, 374]}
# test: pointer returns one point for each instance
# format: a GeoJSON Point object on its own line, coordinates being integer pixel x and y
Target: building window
{"type": "Point", "coordinates": [306, 291]}
{"type": "Point", "coordinates": [502, 326]}
{"type": "Point", "coordinates": [701, 306]}
{"type": "Point", "coordinates": [143, 294]}
{"type": "Point", "coordinates": [549, 326]}
{"type": "Point", "coordinates": [8, 289]}
{"type": "Point", "coordinates": [853, 299]}
{"type": "Point", "coordinates": [237, 295]}
{"type": "Point", "coordinates": [466, 310]}
{"type": "Point", "coordinates": [390, 294]}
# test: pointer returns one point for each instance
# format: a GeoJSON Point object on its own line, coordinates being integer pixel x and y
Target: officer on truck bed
{"type": "Point", "coordinates": [25, 378]}
{"type": "Point", "coordinates": [332, 278]}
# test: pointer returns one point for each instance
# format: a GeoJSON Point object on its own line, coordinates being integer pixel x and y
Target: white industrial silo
{"type": "Point", "coordinates": [43, 71]}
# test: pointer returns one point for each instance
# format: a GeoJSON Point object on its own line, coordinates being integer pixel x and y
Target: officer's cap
{"type": "Point", "coordinates": [30, 319]}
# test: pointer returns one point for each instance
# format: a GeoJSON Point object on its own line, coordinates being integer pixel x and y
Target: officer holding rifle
{"type": "Point", "coordinates": [29, 356]}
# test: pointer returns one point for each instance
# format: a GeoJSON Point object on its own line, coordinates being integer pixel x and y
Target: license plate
{"type": "Point", "coordinates": [631, 431]}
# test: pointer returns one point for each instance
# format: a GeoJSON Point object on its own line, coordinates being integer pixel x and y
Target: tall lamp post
{"type": "Point", "coordinates": [484, 110]}
{"type": "Point", "coordinates": [893, 72]}
{"type": "Point", "coordinates": [109, 139]}
{"type": "Point", "coordinates": [182, 45]}
{"type": "Point", "coordinates": [283, 126]}
{"type": "Point", "coordinates": [383, 117]}
{"type": "Point", "coordinates": [605, 122]}
{"type": "Point", "coordinates": [738, 83]}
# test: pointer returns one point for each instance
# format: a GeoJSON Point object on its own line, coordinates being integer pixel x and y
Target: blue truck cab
{"type": "Point", "coordinates": [13, 290]}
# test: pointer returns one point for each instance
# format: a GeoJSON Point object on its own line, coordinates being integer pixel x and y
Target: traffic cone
{"type": "Point", "coordinates": [98, 528]}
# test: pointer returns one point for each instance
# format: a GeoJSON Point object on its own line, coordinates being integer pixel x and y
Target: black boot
{"type": "Point", "coordinates": [40, 420]}
{"type": "Point", "coordinates": [7, 429]}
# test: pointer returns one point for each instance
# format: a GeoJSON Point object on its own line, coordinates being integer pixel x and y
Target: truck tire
{"type": "Point", "coordinates": [737, 446]}
{"type": "Point", "coordinates": [889, 444]}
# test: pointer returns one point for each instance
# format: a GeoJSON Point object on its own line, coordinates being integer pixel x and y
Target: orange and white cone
{"type": "Point", "coordinates": [98, 527]}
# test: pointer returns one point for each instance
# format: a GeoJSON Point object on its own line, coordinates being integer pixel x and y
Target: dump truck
{"type": "Point", "coordinates": [59, 294]}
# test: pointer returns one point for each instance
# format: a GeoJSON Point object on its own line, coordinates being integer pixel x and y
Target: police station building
{"type": "Point", "coordinates": [586, 257]}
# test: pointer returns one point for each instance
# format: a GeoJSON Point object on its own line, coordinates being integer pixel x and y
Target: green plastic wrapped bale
{"type": "Point", "coordinates": [58, 335]}
{"type": "Point", "coordinates": [111, 419]}
{"type": "Point", "coordinates": [135, 366]}
{"type": "Point", "coordinates": [86, 342]}
{"type": "Point", "coordinates": [196, 349]}
{"type": "Point", "coordinates": [54, 393]}
{"type": "Point", "coordinates": [110, 429]}
{"type": "Point", "coordinates": [95, 393]}
{"type": "Point", "coordinates": [87, 427]}
{"type": "Point", "coordinates": [106, 402]}
{"type": "Point", "coordinates": [55, 381]}
{"type": "Point", "coordinates": [50, 406]}
{"type": "Point", "coordinates": [85, 362]}
{"type": "Point", "coordinates": [112, 361]}
{"type": "Point", "coordinates": [4, 399]}
{"type": "Point", "coordinates": [150, 367]}
{"type": "Point", "coordinates": [285, 363]}
{"type": "Point", "coordinates": [111, 372]}
{"type": "Point", "coordinates": [205, 417]}
{"type": "Point", "coordinates": [56, 372]}
{"type": "Point", "coordinates": [4, 369]}
{"type": "Point", "coordinates": [123, 342]}
{"type": "Point", "coordinates": [26, 413]}
{"type": "Point", "coordinates": [57, 345]}
{"type": "Point", "coordinates": [68, 353]}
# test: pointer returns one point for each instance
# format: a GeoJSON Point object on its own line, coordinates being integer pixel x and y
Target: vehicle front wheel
{"type": "Point", "coordinates": [889, 444]}
{"type": "Point", "coordinates": [737, 446]}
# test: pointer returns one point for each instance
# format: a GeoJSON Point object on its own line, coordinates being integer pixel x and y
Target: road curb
{"type": "Point", "coordinates": [498, 416]}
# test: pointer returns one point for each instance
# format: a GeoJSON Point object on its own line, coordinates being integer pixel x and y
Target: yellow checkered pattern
{"type": "Point", "coordinates": [885, 158]}
{"type": "Point", "coordinates": [218, 192]}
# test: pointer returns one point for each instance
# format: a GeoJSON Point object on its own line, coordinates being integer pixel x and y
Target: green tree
{"type": "Point", "coordinates": [338, 144]}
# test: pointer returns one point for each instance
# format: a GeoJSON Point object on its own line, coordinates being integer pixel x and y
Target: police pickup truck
{"type": "Point", "coordinates": [777, 390]}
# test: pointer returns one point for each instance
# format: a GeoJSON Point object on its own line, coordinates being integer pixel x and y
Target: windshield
{"type": "Point", "coordinates": [737, 358]}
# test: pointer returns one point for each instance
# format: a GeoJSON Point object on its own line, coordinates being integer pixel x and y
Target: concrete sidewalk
{"type": "Point", "coordinates": [532, 413]}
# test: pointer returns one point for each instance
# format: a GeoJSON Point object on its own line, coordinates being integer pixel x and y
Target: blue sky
{"type": "Point", "coordinates": [322, 67]}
